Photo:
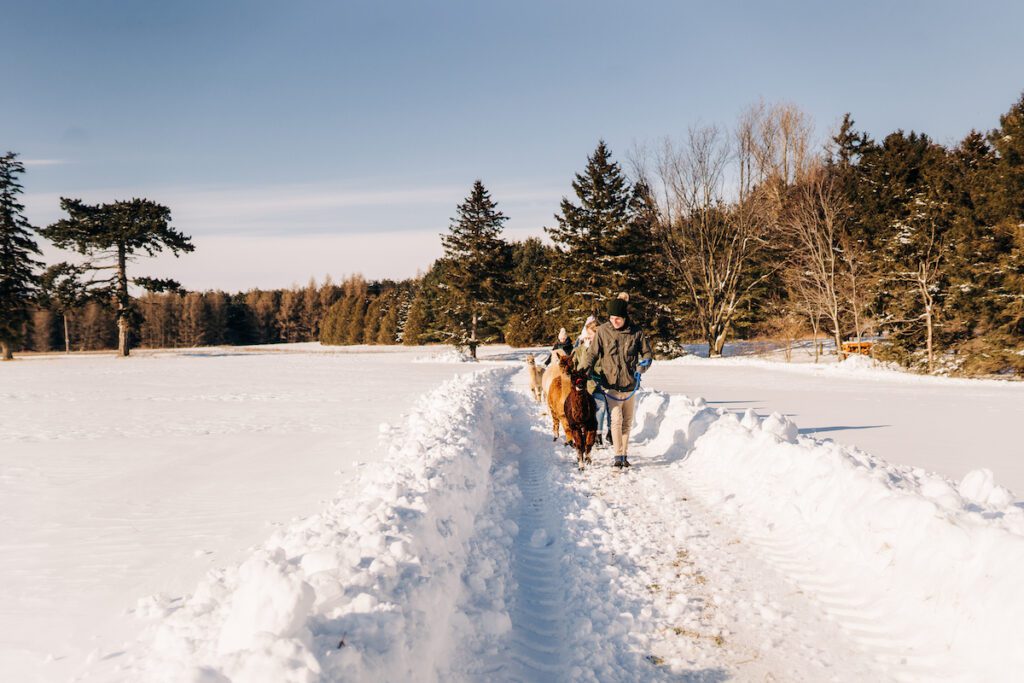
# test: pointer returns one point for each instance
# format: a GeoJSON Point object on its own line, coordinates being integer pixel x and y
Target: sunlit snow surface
{"type": "Point", "coordinates": [300, 513]}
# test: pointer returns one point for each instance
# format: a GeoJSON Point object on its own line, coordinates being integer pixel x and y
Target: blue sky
{"type": "Point", "coordinates": [315, 137]}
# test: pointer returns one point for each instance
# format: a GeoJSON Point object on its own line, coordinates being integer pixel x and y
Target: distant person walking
{"type": "Point", "coordinates": [579, 361]}
{"type": "Point", "coordinates": [619, 352]}
{"type": "Point", "coordinates": [564, 344]}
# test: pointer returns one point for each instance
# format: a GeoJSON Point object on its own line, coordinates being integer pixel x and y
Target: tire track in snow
{"type": "Point", "coordinates": [719, 612]}
{"type": "Point", "coordinates": [889, 645]}
{"type": "Point", "coordinates": [538, 609]}
{"type": "Point", "coordinates": [571, 620]}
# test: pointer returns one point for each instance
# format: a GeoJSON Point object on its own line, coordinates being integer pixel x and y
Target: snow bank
{"type": "Point", "coordinates": [941, 561]}
{"type": "Point", "coordinates": [449, 356]}
{"type": "Point", "coordinates": [854, 366]}
{"type": "Point", "coordinates": [379, 586]}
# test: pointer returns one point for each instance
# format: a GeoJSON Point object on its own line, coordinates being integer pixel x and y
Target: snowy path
{"type": "Point", "coordinates": [538, 607]}
{"type": "Point", "coordinates": [662, 591]}
{"type": "Point", "coordinates": [703, 607]}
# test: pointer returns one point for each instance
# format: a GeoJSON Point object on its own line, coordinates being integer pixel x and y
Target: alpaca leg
{"type": "Point", "coordinates": [568, 434]}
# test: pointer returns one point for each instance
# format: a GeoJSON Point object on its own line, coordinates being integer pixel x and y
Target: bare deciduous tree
{"type": "Point", "coordinates": [814, 224]}
{"type": "Point", "coordinates": [710, 242]}
{"type": "Point", "coordinates": [924, 280]}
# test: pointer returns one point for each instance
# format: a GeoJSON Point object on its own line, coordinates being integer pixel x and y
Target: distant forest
{"type": "Point", "coordinates": [754, 229]}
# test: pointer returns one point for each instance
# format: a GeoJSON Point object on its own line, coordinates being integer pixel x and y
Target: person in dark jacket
{"type": "Point", "coordinates": [622, 351]}
{"type": "Point", "coordinates": [564, 344]}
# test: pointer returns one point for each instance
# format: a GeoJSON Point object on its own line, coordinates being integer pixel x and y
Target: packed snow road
{"type": "Point", "coordinates": [738, 547]}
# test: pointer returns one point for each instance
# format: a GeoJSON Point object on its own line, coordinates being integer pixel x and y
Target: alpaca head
{"type": "Point", "coordinates": [578, 379]}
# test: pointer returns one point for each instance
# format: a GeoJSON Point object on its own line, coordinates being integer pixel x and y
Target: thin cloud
{"type": "Point", "coordinates": [46, 162]}
{"type": "Point", "coordinates": [313, 208]}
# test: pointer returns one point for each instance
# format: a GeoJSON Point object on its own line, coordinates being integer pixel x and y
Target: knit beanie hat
{"type": "Point", "coordinates": [583, 330]}
{"type": "Point", "coordinates": [619, 306]}
{"type": "Point", "coordinates": [562, 335]}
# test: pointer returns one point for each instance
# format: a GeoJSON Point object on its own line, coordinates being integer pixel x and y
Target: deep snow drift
{"type": "Point", "coordinates": [126, 478]}
{"type": "Point", "coordinates": [468, 547]}
{"type": "Point", "coordinates": [947, 425]}
{"type": "Point", "coordinates": [925, 567]}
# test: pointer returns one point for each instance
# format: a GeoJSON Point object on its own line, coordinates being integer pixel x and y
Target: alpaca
{"type": "Point", "coordinates": [551, 371]}
{"type": "Point", "coordinates": [580, 411]}
{"type": "Point", "coordinates": [534, 374]}
{"type": "Point", "coordinates": [557, 389]}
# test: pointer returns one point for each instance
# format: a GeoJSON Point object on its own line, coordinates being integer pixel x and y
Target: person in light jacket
{"type": "Point", "coordinates": [579, 361]}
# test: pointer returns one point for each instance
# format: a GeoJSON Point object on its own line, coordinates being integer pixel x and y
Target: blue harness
{"type": "Point", "coordinates": [636, 388]}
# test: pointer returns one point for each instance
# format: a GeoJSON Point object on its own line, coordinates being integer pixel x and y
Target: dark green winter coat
{"type": "Point", "coordinates": [619, 352]}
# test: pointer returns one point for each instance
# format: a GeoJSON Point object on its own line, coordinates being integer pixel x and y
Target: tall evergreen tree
{"type": "Point", "coordinates": [479, 260]}
{"type": "Point", "coordinates": [848, 144]}
{"type": "Point", "coordinates": [1008, 200]}
{"type": "Point", "coordinates": [528, 322]}
{"type": "Point", "coordinates": [111, 235]}
{"type": "Point", "coordinates": [18, 278]}
{"type": "Point", "coordinates": [591, 237]}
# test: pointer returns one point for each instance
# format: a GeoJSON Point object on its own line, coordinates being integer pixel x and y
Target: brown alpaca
{"type": "Point", "coordinates": [557, 390]}
{"type": "Point", "coordinates": [534, 374]}
{"type": "Point", "coordinates": [581, 415]}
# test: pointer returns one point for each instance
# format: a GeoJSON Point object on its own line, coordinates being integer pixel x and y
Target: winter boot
{"type": "Point", "coordinates": [618, 462]}
{"type": "Point", "coordinates": [598, 441]}
{"type": "Point", "coordinates": [625, 461]}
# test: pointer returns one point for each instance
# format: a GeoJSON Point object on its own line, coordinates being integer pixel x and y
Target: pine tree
{"type": "Point", "coordinates": [289, 316]}
{"type": "Point", "coordinates": [848, 144]}
{"type": "Point", "coordinates": [61, 290]}
{"type": "Point", "coordinates": [1008, 201]}
{"type": "Point", "coordinates": [263, 305]}
{"type": "Point", "coordinates": [909, 209]}
{"type": "Point", "coordinates": [478, 260]}
{"type": "Point", "coordinates": [111, 235]}
{"type": "Point", "coordinates": [18, 277]}
{"type": "Point", "coordinates": [591, 236]}
{"type": "Point", "coordinates": [417, 322]}
{"type": "Point", "coordinates": [642, 270]}
{"type": "Point", "coordinates": [311, 312]}
{"type": "Point", "coordinates": [217, 303]}
{"type": "Point", "coordinates": [374, 314]}
{"type": "Point", "coordinates": [528, 323]}
{"type": "Point", "coordinates": [193, 320]}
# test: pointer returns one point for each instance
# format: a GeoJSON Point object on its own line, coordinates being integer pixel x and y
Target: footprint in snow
{"type": "Point", "coordinates": [540, 539]}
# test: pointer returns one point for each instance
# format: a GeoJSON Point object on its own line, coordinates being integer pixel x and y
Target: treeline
{"type": "Point", "coordinates": [755, 229]}
{"type": "Point", "coordinates": [760, 230]}
{"type": "Point", "coordinates": [187, 319]}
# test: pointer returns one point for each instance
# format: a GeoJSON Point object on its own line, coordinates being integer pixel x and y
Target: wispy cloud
{"type": "Point", "coordinates": [314, 208]}
{"type": "Point", "coordinates": [46, 162]}
{"type": "Point", "coordinates": [241, 262]}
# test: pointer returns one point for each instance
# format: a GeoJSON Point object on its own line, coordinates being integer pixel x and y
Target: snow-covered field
{"type": "Point", "coordinates": [301, 514]}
